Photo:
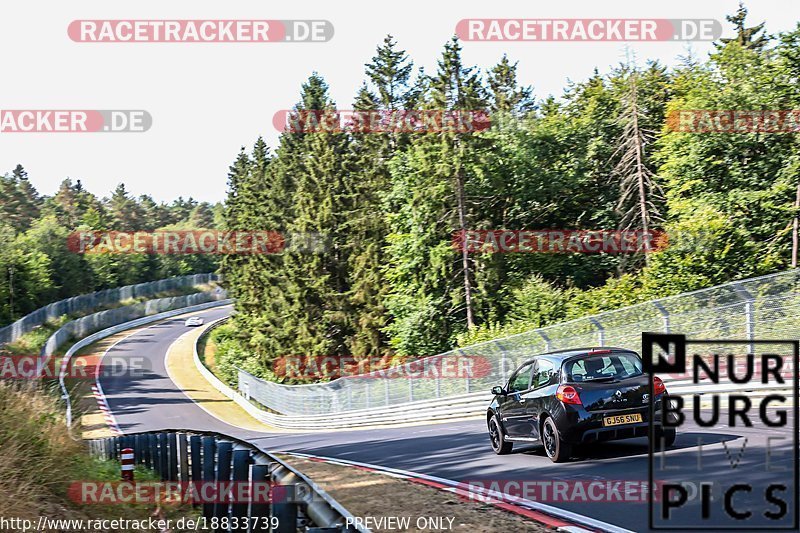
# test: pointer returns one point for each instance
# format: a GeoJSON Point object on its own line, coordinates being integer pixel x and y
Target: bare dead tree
{"type": "Point", "coordinates": [639, 190]}
{"type": "Point", "coordinates": [795, 224]}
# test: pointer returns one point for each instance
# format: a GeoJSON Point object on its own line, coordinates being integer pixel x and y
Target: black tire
{"type": "Point", "coordinates": [496, 437]}
{"type": "Point", "coordinates": [667, 437]}
{"type": "Point", "coordinates": [554, 446]}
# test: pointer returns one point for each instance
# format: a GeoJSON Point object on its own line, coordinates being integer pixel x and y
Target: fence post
{"type": "Point", "coordinates": [467, 382]}
{"type": "Point", "coordinates": [547, 344]}
{"type": "Point", "coordinates": [241, 471]}
{"type": "Point", "coordinates": [209, 447]}
{"type": "Point", "coordinates": [503, 361]}
{"type": "Point", "coordinates": [749, 318]}
{"type": "Point", "coordinates": [224, 452]}
{"type": "Point", "coordinates": [601, 332]}
{"type": "Point", "coordinates": [664, 315]}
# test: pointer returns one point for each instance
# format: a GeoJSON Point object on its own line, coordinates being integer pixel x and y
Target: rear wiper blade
{"type": "Point", "coordinates": [604, 380]}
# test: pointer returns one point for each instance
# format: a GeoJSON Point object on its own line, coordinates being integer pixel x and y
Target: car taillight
{"type": "Point", "coordinates": [658, 386]}
{"type": "Point", "coordinates": [568, 394]}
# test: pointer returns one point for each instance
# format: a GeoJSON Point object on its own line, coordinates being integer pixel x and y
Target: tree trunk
{"type": "Point", "coordinates": [462, 226]}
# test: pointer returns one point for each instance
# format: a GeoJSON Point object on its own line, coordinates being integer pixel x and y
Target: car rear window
{"type": "Point", "coordinates": [609, 366]}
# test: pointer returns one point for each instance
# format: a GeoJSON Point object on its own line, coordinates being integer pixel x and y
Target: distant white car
{"type": "Point", "coordinates": [194, 321]}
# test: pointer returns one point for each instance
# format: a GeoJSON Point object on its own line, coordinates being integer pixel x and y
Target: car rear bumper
{"type": "Point", "coordinates": [581, 426]}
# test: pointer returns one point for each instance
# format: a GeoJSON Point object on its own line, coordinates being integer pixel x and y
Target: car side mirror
{"type": "Point", "coordinates": [498, 390]}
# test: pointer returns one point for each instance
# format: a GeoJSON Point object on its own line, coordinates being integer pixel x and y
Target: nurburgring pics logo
{"type": "Point", "coordinates": [200, 31]}
{"type": "Point", "coordinates": [589, 30]}
{"type": "Point", "coordinates": [381, 121]}
{"type": "Point", "coordinates": [74, 121]}
{"type": "Point", "coordinates": [742, 422]}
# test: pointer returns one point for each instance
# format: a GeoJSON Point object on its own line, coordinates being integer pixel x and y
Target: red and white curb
{"type": "Point", "coordinates": [102, 404]}
{"type": "Point", "coordinates": [547, 515]}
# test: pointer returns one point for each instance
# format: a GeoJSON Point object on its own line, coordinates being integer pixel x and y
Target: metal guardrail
{"type": "Point", "coordinates": [87, 302]}
{"type": "Point", "coordinates": [766, 307]}
{"type": "Point", "coordinates": [296, 502]}
{"type": "Point", "coordinates": [114, 330]}
{"type": "Point", "coordinates": [473, 405]}
{"type": "Point", "coordinates": [81, 327]}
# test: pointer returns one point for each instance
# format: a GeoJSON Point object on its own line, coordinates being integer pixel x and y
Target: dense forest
{"type": "Point", "coordinates": [36, 265]}
{"type": "Point", "coordinates": [600, 156]}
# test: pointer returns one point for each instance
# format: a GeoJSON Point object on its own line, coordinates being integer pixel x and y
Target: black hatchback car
{"type": "Point", "coordinates": [572, 397]}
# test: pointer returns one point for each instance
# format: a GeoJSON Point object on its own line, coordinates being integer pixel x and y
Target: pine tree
{"type": "Point", "coordinates": [506, 95]}
{"type": "Point", "coordinates": [746, 37]}
{"type": "Point", "coordinates": [389, 72]}
{"type": "Point", "coordinates": [125, 212]}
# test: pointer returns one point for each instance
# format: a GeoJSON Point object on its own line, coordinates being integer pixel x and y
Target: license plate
{"type": "Point", "coordinates": [621, 419]}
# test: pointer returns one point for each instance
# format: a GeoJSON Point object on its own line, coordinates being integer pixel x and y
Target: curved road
{"type": "Point", "coordinates": [458, 451]}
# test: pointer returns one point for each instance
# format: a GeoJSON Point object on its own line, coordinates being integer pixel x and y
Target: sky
{"type": "Point", "coordinates": [209, 99]}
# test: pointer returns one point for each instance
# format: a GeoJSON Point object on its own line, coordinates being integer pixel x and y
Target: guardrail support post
{"type": "Point", "coordinates": [163, 457]}
{"type": "Point", "coordinates": [224, 452]}
{"type": "Point", "coordinates": [209, 451]}
{"type": "Point", "coordinates": [196, 458]}
{"type": "Point", "coordinates": [241, 471]}
{"type": "Point", "coordinates": [183, 457]}
{"type": "Point", "coordinates": [138, 449]}
{"type": "Point", "coordinates": [155, 454]}
{"type": "Point", "coordinates": [284, 508]}
{"type": "Point", "coordinates": [147, 451]}
{"type": "Point", "coordinates": [172, 440]}
{"type": "Point", "coordinates": [259, 511]}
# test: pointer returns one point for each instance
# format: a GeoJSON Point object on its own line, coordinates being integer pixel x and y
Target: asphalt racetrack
{"type": "Point", "coordinates": [460, 451]}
